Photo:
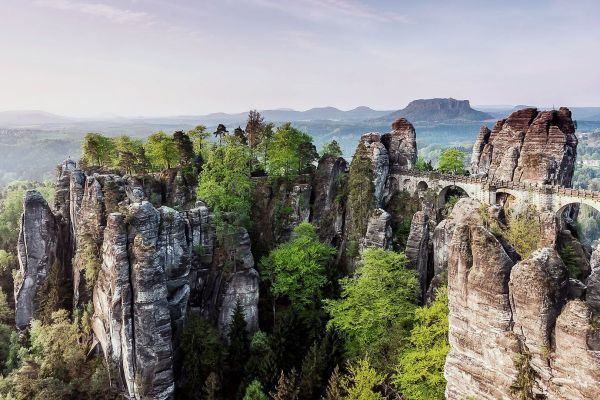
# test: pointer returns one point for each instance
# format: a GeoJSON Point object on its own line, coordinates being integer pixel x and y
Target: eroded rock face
{"type": "Point", "coordinates": [379, 230]}
{"type": "Point", "coordinates": [501, 313]}
{"type": "Point", "coordinates": [593, 283]}
{"type": "Point", "coordinates": [37, 247]}
{"type": "Point", "coordinates": [152, 265]}
{"type": "Point", "coordinates": [417, 249]}
{"type": "Point", "coordinates": [380, 161]}
{"type": "Point", "coordinates": [479, 362]}
{"type": "Point", "coordinates": [401, 144]}
{"type": "Point", "coordinates": [328, 210]}
{"type": "Point", "coordinates": [529, 146]}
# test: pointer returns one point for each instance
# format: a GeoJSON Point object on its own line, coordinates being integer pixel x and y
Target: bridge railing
{"type": "Point", "coordinates": [501, 184]}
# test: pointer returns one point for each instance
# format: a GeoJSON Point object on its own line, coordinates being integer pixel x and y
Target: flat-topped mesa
{"type": "Point", "coordinates": [530, 146]}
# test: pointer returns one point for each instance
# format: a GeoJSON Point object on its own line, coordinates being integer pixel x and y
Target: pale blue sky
{"type": "Point", "coordinates": [151, 57]}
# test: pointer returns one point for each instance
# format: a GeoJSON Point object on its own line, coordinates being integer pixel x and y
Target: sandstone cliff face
{"type": "Point", "coordinates": [529, 146]}
{"type": "Point", "coordinates": [154, 265]}
{"type": "Point", "coordinates": [37, 248]}
{"type": "Point", "coordinates": [419, 251]}
{"type": "Point", "coordinates": [509, 318]}
{"type": "Point", "coordinates": [328, 209]}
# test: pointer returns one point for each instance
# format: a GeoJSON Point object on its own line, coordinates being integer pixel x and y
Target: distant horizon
{"type": "Point", "coordinates": [150, 58]}
{"type": "Point", "coordinates": [109, 115]}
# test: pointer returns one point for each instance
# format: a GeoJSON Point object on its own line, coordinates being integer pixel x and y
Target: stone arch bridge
{"type": "Point", "coordinates": [543, 197]}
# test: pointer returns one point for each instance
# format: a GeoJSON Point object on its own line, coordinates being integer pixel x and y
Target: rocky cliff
{"type": "Point", "coordinates": [529, 146]}
{"type": "Point", "coordinates": [143, 264]}
{"type": "Point", "coordinates": [517, 329]}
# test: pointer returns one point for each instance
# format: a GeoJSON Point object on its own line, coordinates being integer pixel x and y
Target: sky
{"type": "Point", "coordinates": [185, 57]}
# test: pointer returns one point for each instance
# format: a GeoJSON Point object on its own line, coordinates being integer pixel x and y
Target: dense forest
{"type": "Point", "coordinates": [325, 332]}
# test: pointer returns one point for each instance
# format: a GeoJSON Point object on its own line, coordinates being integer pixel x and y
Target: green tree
{"type": "Point", "coordinates": [266, 138]}
{"type": "Point", "coordinates": [199, 136]}
{"type": "Point", "coordinates": [376, 305]}
{"type": "Point", "coordinates": [289, 152]}
{"type": "Point", "coordinates": [260, 365]}
{"type": "Point", "coordinates": [202, 351]}
{"type": "Point", "coordinates": [225, 183]}
{"type": "Point", "coordinates": [452, 161]}
{"type": "Point", "coordinates": [420, 370]}
{"type": "Point", "coordinates": [255, 391]}
{"type": "Point", "coordinates": [569, 257]}
{"type": "Point", "coordinates": [362, 382]}
{"type": "Point", "coordinates": [220, 132]}
{"type": "Point", "coordinates": [185, 147]}
{"type": "Point", "coordinates": [161, 150]}
{"type": "Point", "coordinates": [239, 348]}
{"type": "Point", "coordinates": [361, 199]}
{"type": "Point", "coordinates": [97, 150]}
{"type": "Point", "coordinates": [332, 149]}
{"type": "Point", "coordinates": [131, 155]}
{"type": "Point", "coordinates": [422, 165]}
{"type": "Point", "coordinates": [240, 135]}
{"type": "Point", "coordinates": [524, 232]}
{"type": "Point", "coordinates": [298, 268]}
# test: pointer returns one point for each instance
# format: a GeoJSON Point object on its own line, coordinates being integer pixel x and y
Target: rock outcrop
{"type": "Point", "coordinates": [37, 248]}
{"type": "Point", "coordinates": [328, 206]}
{"type": "Point", "coordinates": [509, 320]}
{"type": "Point", "coordinates": [418, 249]}
{"type": "Point", "coordinates": [379, 230]}
{"type": "Point", "coordinates": [144, 267]}
{"type": "Point", "coordinates": [529, 146]}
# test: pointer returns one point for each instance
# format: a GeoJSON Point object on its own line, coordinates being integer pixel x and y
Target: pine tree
{"type": "Point", "coordinates": [286, 388]}
{"type": "Point", "coordinates": [185, 147]}
{"type": "Point", "coordinates": [311, 374]}
{"type": "Point", "coordinates": [255, 391]}
{"type": "Point", "coordinates": [239, 347]}
{"type": "Point", "coordinates": [334, 386]}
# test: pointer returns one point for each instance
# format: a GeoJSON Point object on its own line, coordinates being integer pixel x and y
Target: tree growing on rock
{"type": "Point", "coordinates": [131, 155]}
{"type": "Point", "coordinates": [225, 183]}
{"type": "Point", "coordinates": [254, 128]}
{"type": "Point", "coordinates": [331, 149]}
{"type": "Point", "coordinates": [290, 152]}
{"type": "Point", "coordinates": [161, 150]}
{"type": "Point", "coordinates": [185, 147]}
{"type": "Point", "coordinates": [97, 150]}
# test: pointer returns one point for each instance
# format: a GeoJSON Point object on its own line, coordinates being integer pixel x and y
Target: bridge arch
{"type": "Point", "coordinates": [443, 193]}
{"type": "Point", "coordinates": [593, 204]}
{"type": "Point", "coordinates": [422, 186]}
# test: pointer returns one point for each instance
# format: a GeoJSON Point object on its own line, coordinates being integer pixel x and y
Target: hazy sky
{"type": "Point", "coordinates": [159, 57]}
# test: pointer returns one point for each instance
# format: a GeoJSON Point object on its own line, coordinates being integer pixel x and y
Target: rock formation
{"type": "Point", "coordinates": [37, 248]}
{"type": "Point", "coordinates": [529, 146]}
{"type": "Point", "coordinates": [143, 267]}
{"type": "Point", "coordinates": [379, 230]}
{"type": "Point", "coordinates": [328, 206]}
{"type": "Point", "coordinates": [508, 319]}
{"type": "Point", "coordinates": [418, 249]}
